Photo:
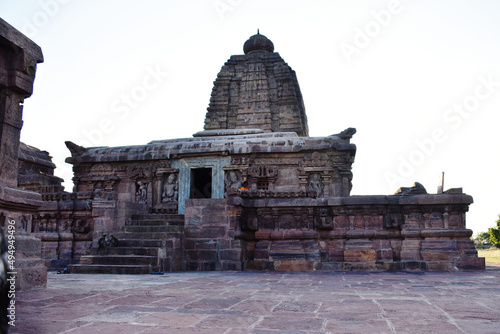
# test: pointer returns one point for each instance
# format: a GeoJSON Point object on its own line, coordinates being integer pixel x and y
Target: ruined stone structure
{"type": "Point", "coordinates": [178, 205]}
{"type": "Point", "coordinates": [19, 57]}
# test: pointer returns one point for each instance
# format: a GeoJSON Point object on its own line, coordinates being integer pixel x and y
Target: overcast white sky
{"type": "Point", "coordinates": [420, 80]}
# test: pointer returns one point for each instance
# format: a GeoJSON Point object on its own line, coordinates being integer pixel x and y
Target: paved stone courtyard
{"type": "Point", "coordinates": [264, 302]}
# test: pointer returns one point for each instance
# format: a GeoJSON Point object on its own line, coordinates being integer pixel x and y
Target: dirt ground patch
{"type": "Point", "coordinates": [490, 254]}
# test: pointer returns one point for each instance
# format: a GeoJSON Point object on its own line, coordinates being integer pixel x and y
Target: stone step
{"type": "Point", "coordinates": [130, 250]}
{"type": "Point", "coordinates": [140, 243]}
{"type": "Point", "coordinates": [158, 217]}
{"type": "Point", "coordinates": [121, 236]}
{"type": "Point", "coordinates": [150, 223]}
{"type": "Point", "coordinates": [111, 269]}
{"type": "Point", "coordinates": [153, 229]}
{"type": "Point", "coordinates": [119, 259]}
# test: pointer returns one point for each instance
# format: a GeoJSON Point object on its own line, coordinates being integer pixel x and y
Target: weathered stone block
{"type": "Point", "coordinates": [360, 255]}
{"type": "Point", "coordinates": [193, 220]}
{"type": "Point", "coordinates": [440, 265]}
{"type": "Point", "coordinates": [414, 265]}
{"type": "Point", "coordinates": [336, 255]}
{"type": "Point", "coordinates": [360, 266]}
{"type": "Point", "coordinates": [214, 220]}
{"type": "Point", "coordinates": [332, 266]}
{"type": "Point", "coordinates": [231, 265]}
{"type": "Point", "coordinates": [195, 244]}
{"type": "Point", "coordinates": [293, 265]}
{"type": "Point", "coordinates": [410, 255]}
{"type": "Point", "coordinates": [205, 232]}
{"type": "Point", "coordinates": [443, 255]}
{"type": "Point", "coordinates": [259, 265]}
{"type": "Point", "coordinates": [232, 255]}
{"type": "Point", "coordinates": [201, 255]}
{"type": "Point", "coordinates": [438, 244]}
{"type": "Point", "coordinates": [384, 255]}
{"type": "Point", "coordinates": [358, 244]}
{"type": "Point", "coordinates": [470, 263]}
{"type": "Point", "coordinates": [32, 275]}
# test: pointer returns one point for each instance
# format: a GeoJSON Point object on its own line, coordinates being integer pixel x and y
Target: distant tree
{"type": "Point", "coordinates": [482, 238]}
{"type": "Point", "coordinates": [495, 233]}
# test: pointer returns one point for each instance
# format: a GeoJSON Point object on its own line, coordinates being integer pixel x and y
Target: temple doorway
{"type": "Point", "coordinates": [201, 183]}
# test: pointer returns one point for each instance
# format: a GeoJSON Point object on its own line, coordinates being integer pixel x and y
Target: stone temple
{"type": "Point", "coordinates": [175, 205]}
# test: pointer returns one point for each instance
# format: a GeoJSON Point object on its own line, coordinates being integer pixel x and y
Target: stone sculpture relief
{"type": "Point", "coordinates": [141, 194]}
{"type": "Point", "coordinates": [314, 183]}
{"type": "Point", "coordinates": [233, 179]}
{"type": "Point", "coordinates": [170, 190]}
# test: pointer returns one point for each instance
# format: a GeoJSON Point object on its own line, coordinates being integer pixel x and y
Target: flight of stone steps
{"type": "Point", "coordinates": [146, 245]}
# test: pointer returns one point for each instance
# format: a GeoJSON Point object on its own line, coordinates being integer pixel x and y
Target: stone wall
{"type": "Point", "coordinates": [211, 236]}
{"type": "Point", "coordinates": [424, 232]}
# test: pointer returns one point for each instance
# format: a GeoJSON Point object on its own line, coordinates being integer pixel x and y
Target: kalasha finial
{"type": "Point", "coordinates": [258, 42]}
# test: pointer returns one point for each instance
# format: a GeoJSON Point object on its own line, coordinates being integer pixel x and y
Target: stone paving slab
{"type": "Point", "coordinates": [263, 303]}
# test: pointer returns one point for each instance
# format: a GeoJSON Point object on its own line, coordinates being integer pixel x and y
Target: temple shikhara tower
{"type": "Point", "coordinates": [178, 204]}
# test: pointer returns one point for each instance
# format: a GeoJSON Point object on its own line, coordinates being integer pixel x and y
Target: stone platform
{"type": "Point", "coordinates": [264, 303]}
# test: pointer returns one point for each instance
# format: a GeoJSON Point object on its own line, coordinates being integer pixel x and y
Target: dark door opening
{"type": "Point", "coordinates": [201, 183]}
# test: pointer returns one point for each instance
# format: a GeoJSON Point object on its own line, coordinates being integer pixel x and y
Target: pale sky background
{"type": "Point", "coordinates": [399, 88]}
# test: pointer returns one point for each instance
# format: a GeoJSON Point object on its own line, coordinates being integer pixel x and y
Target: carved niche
{"type": "Point", "coordinates": [249, 221]}
{"type": "Point", "coordinates": [99, 182]}
{"type": "Point", "coordinates": [323, 219]}
{"type": "Point", "coordinates": [166, 189]}
{"type": "Point", "coordinates": [315, 183]}
{"type": "Point", "coordinates": [315, 171]}
{"type": "Point", "coordinates": [170, 193]}
{"type": "Point", "coordinates": [262, 177]}
{"type": "Point", "coordinates": [142, 177]}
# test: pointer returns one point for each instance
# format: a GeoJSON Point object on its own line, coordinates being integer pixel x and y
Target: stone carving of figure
{"type": "Point", "coordinates": [98, 190]}
{"type": "Point", "coordinates": [65, 225]}
{"type": "Point", "coordinates": [315, 184]}
{"type": "Point", "coordinates": [81, 226]}
{"type": "Point", "coordinates": [233, 180]}
{"type": "Point", "coordinates": [142, 192]}
{"type": "Point", "coordinates": [22, 223]}
{"type": "Point", "coordinates": [170, 190]}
